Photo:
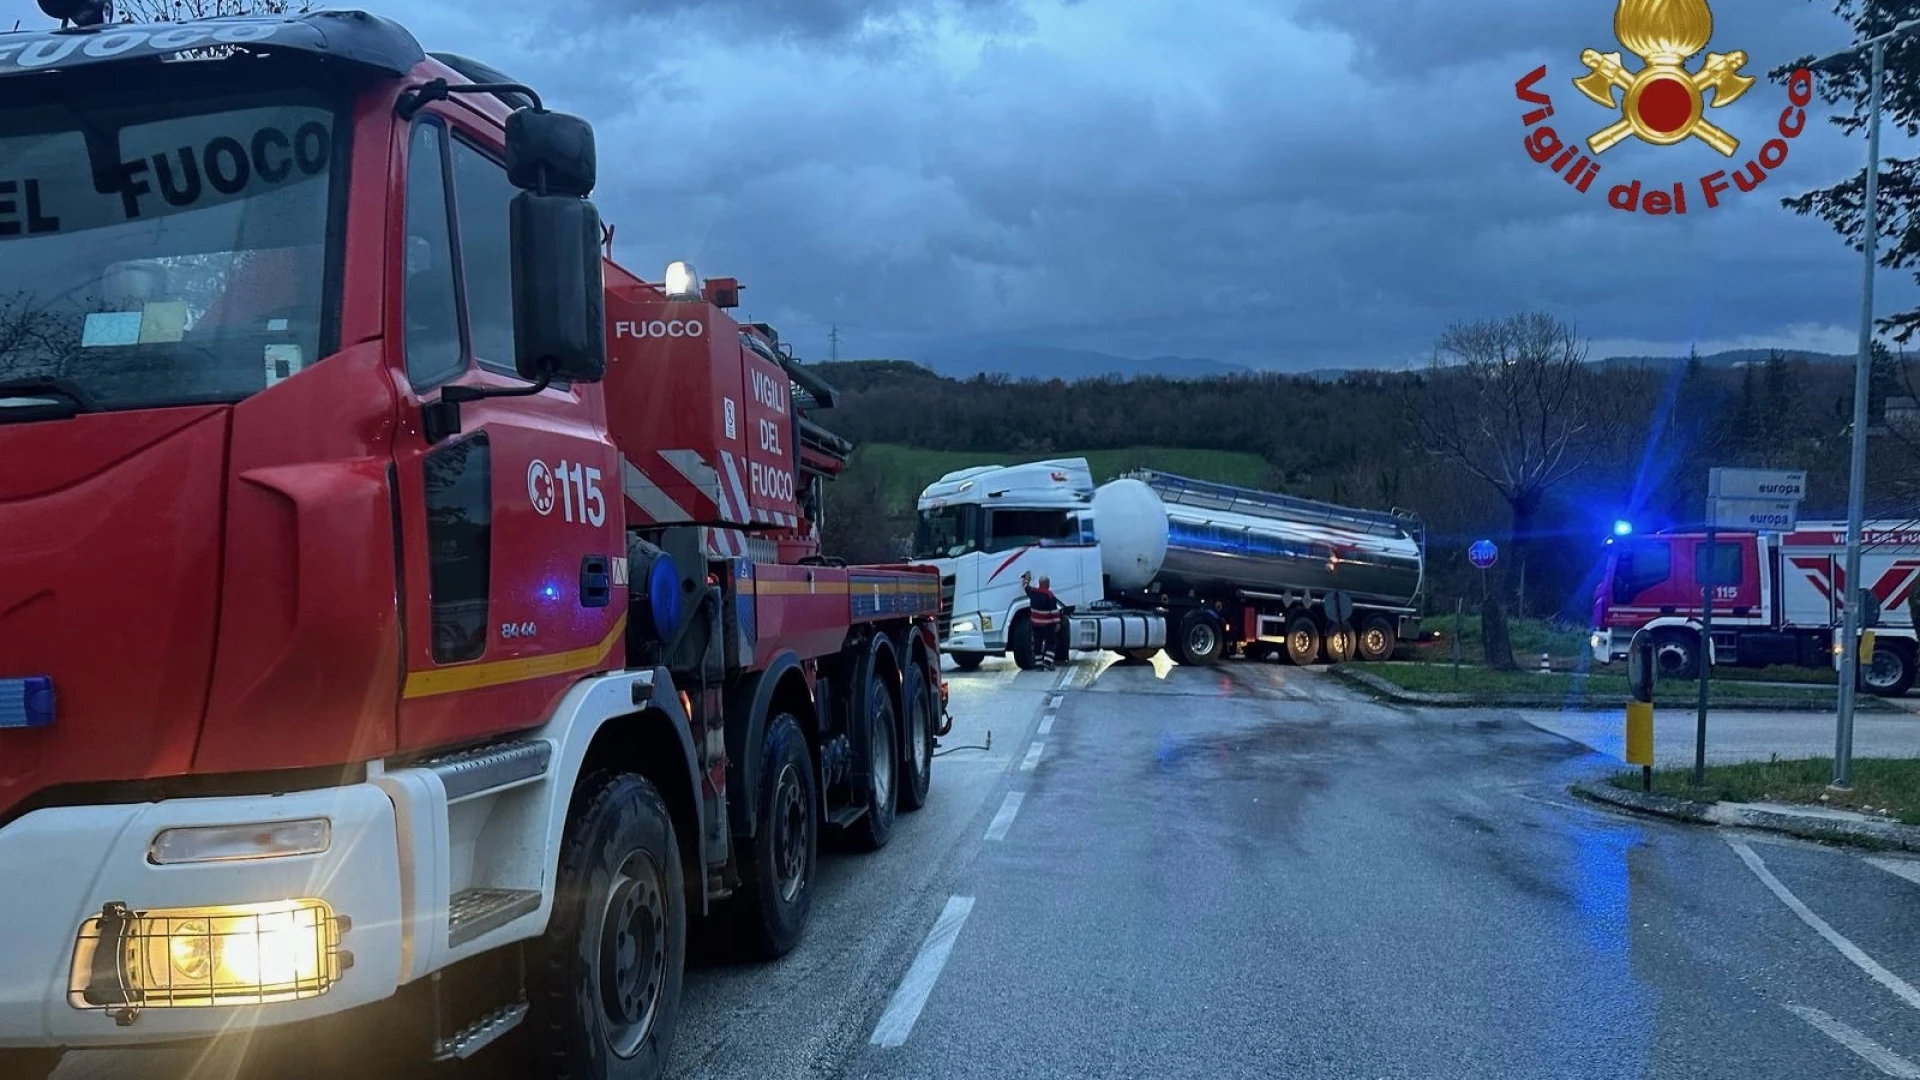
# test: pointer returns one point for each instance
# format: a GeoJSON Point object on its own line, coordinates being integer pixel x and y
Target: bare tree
{"type": "Point", "coordinates": [152, 11]}
{"type": "Point", "coordinates": [1513, 402]}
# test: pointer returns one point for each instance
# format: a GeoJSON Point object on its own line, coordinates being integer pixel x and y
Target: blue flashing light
{"type": "Point", "coordinates": [1623, 528]}
{"type": "Point", "coordinates": [663, 596]}
{"type": "Point", "coordinates": [550, 591]}
{"type": "Point", "coordinates": [26, 703]}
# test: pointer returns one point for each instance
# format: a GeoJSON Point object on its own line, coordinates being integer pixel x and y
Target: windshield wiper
{"type": "Point", "coordinates": [43, 397]}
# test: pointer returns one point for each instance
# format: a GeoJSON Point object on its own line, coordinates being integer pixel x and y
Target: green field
{"type": "Point", "coordinates": [907, 470]}
{"type": "Point", "coordinates": [1890, 786]}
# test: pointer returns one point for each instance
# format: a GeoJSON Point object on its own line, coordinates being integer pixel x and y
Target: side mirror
{"type": "Point", "coordinates": [550, 153]}
{"type": "Point", "coordinates": [559, 298]}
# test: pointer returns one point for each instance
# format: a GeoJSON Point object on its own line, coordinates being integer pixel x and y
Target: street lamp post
{"type": "Point", "coordinates": [1863, 365]}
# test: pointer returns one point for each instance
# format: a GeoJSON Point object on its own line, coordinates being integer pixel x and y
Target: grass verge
{"type": "Point", "coordinates": [1889, 787]}
{"type": "Point", "coordinates": [1597, 689]}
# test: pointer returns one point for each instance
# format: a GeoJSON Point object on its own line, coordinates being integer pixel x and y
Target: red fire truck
{"type": "Point", "coordinates": [1784, 605]}
{"type": "Point", "coordinates": [398, 599]}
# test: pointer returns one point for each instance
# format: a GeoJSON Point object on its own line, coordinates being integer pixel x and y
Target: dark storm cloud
{"type": "Point", "coordinates": [1296, 182]}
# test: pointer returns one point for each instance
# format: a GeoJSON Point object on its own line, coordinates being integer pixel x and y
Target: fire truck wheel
{"type": "Point", "coordinates": [968, 661]}
{"type": "Point", "coordinates": [1303, 640]}
{"type": "Point", "coordinates": [29, 1064]}
{"type": "Point", "coordinates": [1337, 645]}
{"type": "Point", "coordinates": [605, 978]}
{"type": "Point", "coordinates": [1891, 673]}
{"type": "Point", "coordinates": [1377, 639]}
{"type": "Point", "coordinates": [875, 827]}
{"type": "Point", "coordinates": [1020, 642]}
{"type": "Point", "coordinates": [917, 761]}
{"type": "Point", "coordinates": [778, 863]}
{"type": "Point", "coordinates": [1676, 654]}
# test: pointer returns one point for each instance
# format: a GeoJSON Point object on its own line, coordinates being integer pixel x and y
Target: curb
{"type": "Point", "coordinates": [1401, 696]}
{"type": "Point", "coordinates": [1868, 834]}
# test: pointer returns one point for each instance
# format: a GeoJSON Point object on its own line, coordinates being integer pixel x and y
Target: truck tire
{"type": "Point", "coordinates": [603, 989]}
{"type": "Point", "coordinates": [777, 864]}
{"type": "Point", "coordinates": [1676, 654]}
{"type": "Point", "coordinates": [1337, 645]}
{"type": "Point", "coordinates": [1377, 639]}
{"type": "Point", "coordinates": [1891, 673]}
{"type": "Point", "coordinates": [921, 722]}
{"type": "Point", "coordinates": [875, 827]}
{"type": "Point", "coordinates": [1303, 639]}
{"type": "Point", "coordinates": [1201, 639]}
{"type": "Point", "coordinates": [29, 1064]}
{"type": "Point", "coordinates": [1020, 643]}
{"type": "Point", "coordinates": [968, 661]}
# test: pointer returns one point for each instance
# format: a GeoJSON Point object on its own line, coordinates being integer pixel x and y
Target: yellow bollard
{"type": "Point", "coordinates": [1866, 651]}
{"type": "Point", "coordinates": [1639, 732]}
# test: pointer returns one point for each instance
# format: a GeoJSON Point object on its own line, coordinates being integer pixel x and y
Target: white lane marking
{"type": "Point", "coordinates": [1033, 757]}
{"type": "Point", "coordinates": [1066, 676]}
{"type": "Point", "coordinates": [1003, 820]}
{"type": "Point", "coordinates": [897, 1022]}
{"type": "Point", "coordinates": [1869, 1051]}
{"type": "Point", "coordinates": [1046, 723]}
{"type": "Point", "coordinates": [1905, 868]}
{"type": "Point", "coordinates": [1054, 700]}
{"type": "Point", "coordinates": [1894, 983]}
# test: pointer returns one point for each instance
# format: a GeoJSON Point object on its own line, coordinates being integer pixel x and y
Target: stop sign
{"type": "Point", "coordinates": [1482, 554]}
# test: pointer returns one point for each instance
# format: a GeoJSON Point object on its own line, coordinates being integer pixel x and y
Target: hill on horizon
{"type": "Point", "coordinates": [1044, 363]}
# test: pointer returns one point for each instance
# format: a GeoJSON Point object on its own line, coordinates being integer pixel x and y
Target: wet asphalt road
{"type": "Point", "coordinates": [1251, 871]}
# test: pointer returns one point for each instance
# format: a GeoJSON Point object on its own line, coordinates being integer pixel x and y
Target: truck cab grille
{"type": "Point", "coordinates": [945, 620]}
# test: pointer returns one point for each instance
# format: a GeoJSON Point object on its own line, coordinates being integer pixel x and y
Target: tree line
{"type": "Point", "coordinates": [1511, 434]}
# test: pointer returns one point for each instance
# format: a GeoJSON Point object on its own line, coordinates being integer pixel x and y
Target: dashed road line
{"type": "Point", "coordinates": [897, 1022]}
{"type": "Point", "coordinates": [1894, 983]}
{"type": "Point", "coordinates": [1866, 1049]}
{"type": "Point", "coordinates": [1003, 820]}
{"type": "Point", "coordinates": [1046, 723]}
{"type": "Point", "coordinates": [1033, 756]}
{"type": "Point", "coordinates": [1054, 700]}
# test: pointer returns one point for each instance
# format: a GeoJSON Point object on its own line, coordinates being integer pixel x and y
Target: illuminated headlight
{"type": "Point", "coordinates": [238, 954]}
{"type": "Point", "coordinates": [682, 283]}
{"type": "Point", "coordinates": [1597, 640]}
{"type": "Point", "coordinates": [964, 626]}
{"type": "Point", "coordinates": [231, 843]}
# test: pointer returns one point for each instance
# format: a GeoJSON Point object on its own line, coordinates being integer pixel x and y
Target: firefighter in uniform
{"type": "Point", "coordinates": [1043, 618]}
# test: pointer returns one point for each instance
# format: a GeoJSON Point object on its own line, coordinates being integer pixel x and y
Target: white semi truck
{"type": "Point", "coordinates": [1151, 561]}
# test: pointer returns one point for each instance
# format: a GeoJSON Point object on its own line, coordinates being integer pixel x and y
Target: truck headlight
{"type": "Point", "coordinates": [238, 954]}
{"type": "Point", "coordinates": [964, 626]}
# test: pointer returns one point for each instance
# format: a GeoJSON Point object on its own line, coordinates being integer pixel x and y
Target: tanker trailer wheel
{"type": "Point", "coordinates": [968, 661]}
{"type": "Point", "coordinates": [1337, 645]}
{"type": "Point", "coordinates": [1020, 642]}
{"type": "Point", "coordinates": [1891, 673]}
{"type": "Point", "coordinates": [604, 981]}
{"type": "Point", "coordinates": [917, 759]}
{"type": "Point", "coordinates": [1201, 638]}
{"type": "Point", "coordinates": [778, 862]}
{"type": "Point", "coordinates": [1303, 639]}
{"type": "Point", "coordinates": [1377, 639]}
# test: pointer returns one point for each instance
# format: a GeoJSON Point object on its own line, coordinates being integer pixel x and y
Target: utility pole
{"type": "Point", "coordinates": [833, 342]}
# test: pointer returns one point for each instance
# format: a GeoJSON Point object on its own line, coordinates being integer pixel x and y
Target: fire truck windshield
{"type": "Point", "coordinates": [162, 251]}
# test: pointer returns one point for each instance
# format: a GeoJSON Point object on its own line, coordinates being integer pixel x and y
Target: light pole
{"type": "Point", "coordinates": [1863, 364]}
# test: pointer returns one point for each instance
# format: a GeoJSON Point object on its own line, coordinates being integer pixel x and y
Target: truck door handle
{"type": "Point", "coordinates": [596, 581]}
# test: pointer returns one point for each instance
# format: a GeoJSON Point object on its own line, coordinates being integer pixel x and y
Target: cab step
{"type": "Point", "coordinates": [490, 768]}
{"type": "Point", "coordinates": [473, 1038]}
{"type": "Point", "coordinates": [473, 912]}
{"type": "Point", "coordinates": [844, 816]}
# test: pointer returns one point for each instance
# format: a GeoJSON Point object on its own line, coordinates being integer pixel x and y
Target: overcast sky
{"type": "Point", "coordinates": [1286, 183]}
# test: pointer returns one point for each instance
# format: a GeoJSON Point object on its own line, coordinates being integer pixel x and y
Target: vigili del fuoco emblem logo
{"type": "Point", "coordinates": [1661, 102]}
